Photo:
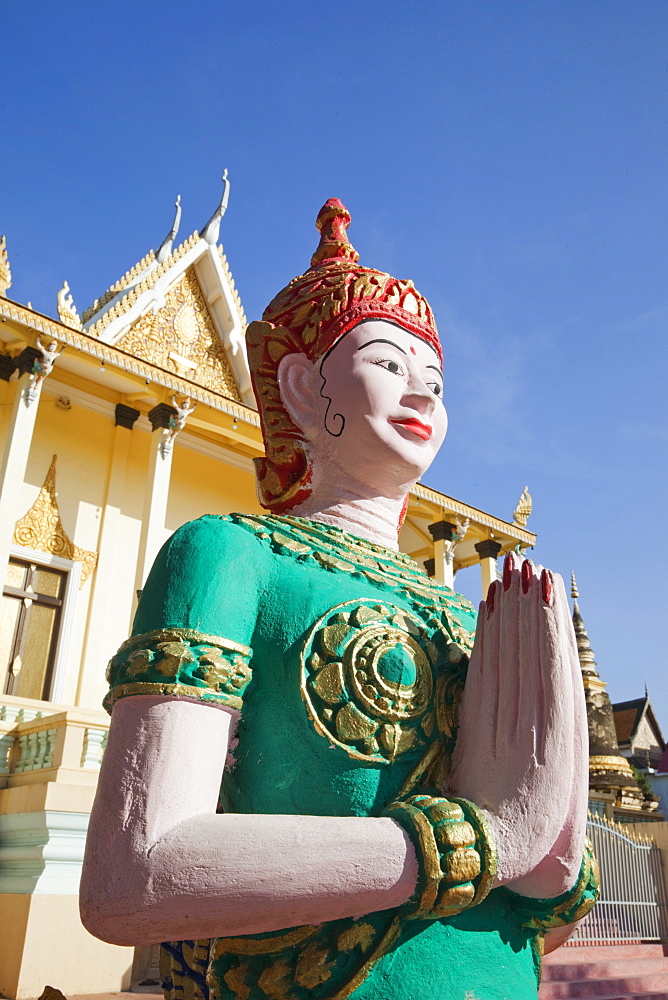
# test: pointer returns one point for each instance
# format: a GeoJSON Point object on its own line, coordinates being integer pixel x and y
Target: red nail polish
{"type": "Point", "coordinates": [491, 594]}
{"type": "Point", "coordinates": [507, 571]}
{"type": "Point", "coordinates": [546, 585]}
{"type": "Point", "coordinates": [526, 575]}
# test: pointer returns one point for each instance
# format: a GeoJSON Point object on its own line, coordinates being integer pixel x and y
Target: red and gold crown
{"type": "Point", "coordinates": [309, 316]}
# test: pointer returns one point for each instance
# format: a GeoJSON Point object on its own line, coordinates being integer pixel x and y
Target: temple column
{"type": "Point", "coordinates": [157, 491]}
{"type": "Point", "coordinates": [17, 445]}
{"type": "Point", "coordinates": [105, 632]}
{"type": "Point", "coordinates": [444, 535]}
{"type": "Point", "coordinates": [488, 550]}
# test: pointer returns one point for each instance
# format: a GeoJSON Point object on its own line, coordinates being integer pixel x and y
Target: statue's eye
{"type": "Point", "coordinates": [436, 388]}
{"type": "Point", "coordinates": [390, 366]}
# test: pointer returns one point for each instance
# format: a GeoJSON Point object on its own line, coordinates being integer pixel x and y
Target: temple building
{"type": "Point", "coordinates": [117, 425]}
{"type": "Point", "coordinates": [614, 789]}
{"type": "Point", "coordinates": [639, 735]}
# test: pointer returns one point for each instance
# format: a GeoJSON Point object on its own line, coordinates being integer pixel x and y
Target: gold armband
{"type": "Point", "coordinates": [455, 850]}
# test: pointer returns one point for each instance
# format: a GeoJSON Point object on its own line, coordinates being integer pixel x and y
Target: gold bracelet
{"type": "Point", "coordinates": [455, 850]}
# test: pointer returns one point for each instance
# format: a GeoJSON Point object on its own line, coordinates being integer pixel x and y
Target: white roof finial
{"type": "Point", "coordinates": [211, 230]}
{"type": "Point", "coordinates": [165, 248]}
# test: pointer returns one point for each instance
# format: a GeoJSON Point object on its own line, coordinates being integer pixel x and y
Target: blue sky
{"type": "Point", "coordinates": [510, 158]}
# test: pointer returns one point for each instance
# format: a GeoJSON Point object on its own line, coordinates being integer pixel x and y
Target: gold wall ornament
{"type": "Point", "coordinates": [368, 680]}
{"type": "Point", "coordinates": [618, 765]}
{"type": "Point", "coordinates": [5, 270]}
{"type": "Point", "coordinates": [119, 285]}
{"type": "Point", "coordinates": [67, 311]}
{"type": "Point", "coordinates": [523, 509]}
{"type": "Point", "coordinates": [182, 338]}
{"type": "Point", "coordinates": [42, 529]}
{"type": "Point", "coordinates": [134, 291]}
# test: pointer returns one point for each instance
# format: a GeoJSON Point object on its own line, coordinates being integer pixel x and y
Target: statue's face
{"type": "Point", "coordinates": [380, 404]}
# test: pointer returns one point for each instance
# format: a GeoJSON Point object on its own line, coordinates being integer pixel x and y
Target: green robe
{"type": "Point", "coordinates": [347, 664]}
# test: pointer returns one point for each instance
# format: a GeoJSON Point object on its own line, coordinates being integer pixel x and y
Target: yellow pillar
{"type": "Point", "coordinates": [156, 493]}
{"type": "Point", "coordinates": [17, 448]}
{"type": "Point", "coordinates": [105, 632]}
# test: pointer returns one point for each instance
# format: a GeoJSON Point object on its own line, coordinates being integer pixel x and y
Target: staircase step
{"type": "Point", "coordinates": [652, 982]}
{"type": "Point", "coordinates": [662, 995]}
{"type": "Point", "coordinates": [615, 969]}
{"type": "Point", "coordinates": [577, 954]}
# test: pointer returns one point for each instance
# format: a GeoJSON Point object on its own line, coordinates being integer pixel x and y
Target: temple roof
{"type": "Point", "coordinates": [638, 730]}
{"type": "Point", "coordinates": [176, 308]}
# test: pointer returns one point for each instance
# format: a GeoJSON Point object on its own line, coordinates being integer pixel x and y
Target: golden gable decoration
{"type": "Point", "coordinates": [42, 529]}
{"type": "Point", "coordinates": [182, 338]}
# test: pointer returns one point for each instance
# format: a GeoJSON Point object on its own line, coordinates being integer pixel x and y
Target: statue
{"type": "Point", "coordinates": [41, 367]}
{"type": "Point", "coordinates": [316, 784]}
{"type": "Point", "coordinates": [176, 422]}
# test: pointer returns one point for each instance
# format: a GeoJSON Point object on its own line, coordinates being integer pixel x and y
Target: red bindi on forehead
{"type": "Point", "coordinates": [412, 349]}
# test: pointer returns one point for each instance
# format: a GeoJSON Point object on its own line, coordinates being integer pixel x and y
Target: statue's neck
{"type": "Point", "coordinates": [352, 506]}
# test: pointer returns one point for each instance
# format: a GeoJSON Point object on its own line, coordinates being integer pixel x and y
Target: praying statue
{"type": "Point", "coordinates": [325, 778]}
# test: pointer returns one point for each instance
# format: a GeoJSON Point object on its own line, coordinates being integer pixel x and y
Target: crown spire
{"type": "Point", "coordinates": [332, 222]}
{"type": "Point", "coordinates": [585, 652]}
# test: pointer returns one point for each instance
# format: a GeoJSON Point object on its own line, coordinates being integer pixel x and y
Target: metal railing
{"type": "Point", "coordinates": [633, 906]}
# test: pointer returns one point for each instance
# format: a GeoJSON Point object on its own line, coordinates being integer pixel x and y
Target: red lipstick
{"type": "Point", "coordinates": [421, 430]}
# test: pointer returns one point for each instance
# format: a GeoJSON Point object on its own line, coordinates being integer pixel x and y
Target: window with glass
{"type": "Point", "coordinates": [30, 618]}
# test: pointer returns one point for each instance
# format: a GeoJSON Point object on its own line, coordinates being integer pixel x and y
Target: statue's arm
{"type": "Point", "coordinates": [162, 865]}
{"type": "Point", "coordinates": [522, 749]}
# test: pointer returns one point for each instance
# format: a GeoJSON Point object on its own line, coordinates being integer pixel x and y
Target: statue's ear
{"type": "Point", "coordinates": [297, 378]}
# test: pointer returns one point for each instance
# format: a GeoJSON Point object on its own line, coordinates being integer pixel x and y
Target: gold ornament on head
{"type": "Point", "coordinates": [309, 316]}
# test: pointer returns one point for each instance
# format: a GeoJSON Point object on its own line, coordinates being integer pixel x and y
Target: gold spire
{"type": "Point", "coordinates": [585, 652]}
{"type": "Point", "coordinates": [523, 509]}
{"type": "Point", "coordinates": [5, 272]}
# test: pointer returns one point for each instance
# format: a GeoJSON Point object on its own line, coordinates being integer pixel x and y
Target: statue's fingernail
{"type": "Point", "coordinates": [526, 575]}
{"type": "Point", "coordinates": [507, 571]}
{"type": "Point", "coordinates": [491, 594]}
{"type": "Point", "coordinates": [546, 585]}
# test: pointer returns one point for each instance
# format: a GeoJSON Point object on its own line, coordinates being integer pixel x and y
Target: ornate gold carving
{"type": "Point", "coordinates": [182, 338]}
{"type": "Point", "coordinates": [455, 849]}
{"type": "Point", "coordinates": [603, 763]}
{"type": "Point", "coordinates": [66, 309]}
{"type": "Point", "coordinates": [147, 282]}
{"type": "Point", "coordinates": [523, 509]}
{"type": "Point", "coordinates": [5, 270]}
{"type": "Point", "coordinates": [338, 550]}
{"type": "Point", "coordinates": [87, 344]}
{"type": "Point", "coordinates": [367, 680]}
{"type": "Point", "coordinates": [119, 285]}
{"type": "Point", "coordinates": [42, 529]}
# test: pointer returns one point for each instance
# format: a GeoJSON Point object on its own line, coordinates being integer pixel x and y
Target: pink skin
{"type": "Point", "coordinates": [373, 418]}
{"type": "Point", "coordinates": [523, 731]}
{"type": "Point", "coordinates": [162, 865]}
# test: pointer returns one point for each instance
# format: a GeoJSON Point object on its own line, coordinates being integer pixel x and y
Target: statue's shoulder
{"type": "Point", "coordinates": [216, 537]}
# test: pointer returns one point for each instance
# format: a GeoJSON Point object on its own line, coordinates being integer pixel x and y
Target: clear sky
{"type": "Point", "coordinates": [508, 157]}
